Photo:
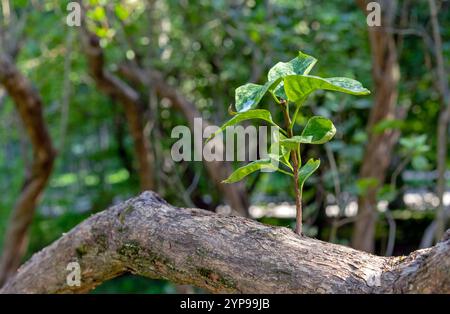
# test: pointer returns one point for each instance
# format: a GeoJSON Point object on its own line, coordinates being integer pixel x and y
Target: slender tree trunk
{"type": "Point", "coordinates": [66, 93]}
{"type": "Point", "coordinates": [148, 237]}
{"type": "Point", "coordinates": [444, 116]}
{"type": "Point", "coordinates": [29, 105]}
{"type": "Point", "coordinates": [118, 90]}
{"type": "Point", "coordinates": [377, 155]}
{"type": "Point", "coordinates": [129, 98]}
{"type": "Point", "coordinates": [234, 194]}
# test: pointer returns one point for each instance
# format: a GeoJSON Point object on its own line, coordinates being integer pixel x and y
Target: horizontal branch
{"type": "Point", "coordinates": [146, 236]}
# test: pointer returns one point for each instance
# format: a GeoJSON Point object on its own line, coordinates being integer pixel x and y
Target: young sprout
{"type": "Point", "coordinates": [289, 83]}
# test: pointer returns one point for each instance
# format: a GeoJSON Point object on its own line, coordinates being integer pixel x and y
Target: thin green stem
{"type": "Point", "coordinates": [295, 163]}
{"type": "Point", "coordinates": [278, 102]}
{"type": "Point", "coordinates": [282, 131]}
{"type": "Point", "coordinates": [285, 172]}
{"type": "Point", "coordinates": [275, 97]}
{"type": "Point", "coordinates": [294, 118]}
{"type": "Point", "coordinates": [291, 126]}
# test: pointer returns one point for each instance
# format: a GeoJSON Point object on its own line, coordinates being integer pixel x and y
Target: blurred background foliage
{"type": "Point", "coordinates": [206, 49]}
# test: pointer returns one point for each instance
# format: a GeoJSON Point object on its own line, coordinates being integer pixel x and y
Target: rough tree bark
{"type": "Point", "coordinates": [148, 237]}
{"type": "Point", "coordinates": [29, 105]}
{"type": "Point", "coordinates": [126, 96]}
{"type": "Point", "coordinates": [377, 155]}
{"type": "Point", "coordinates": [234, 193]}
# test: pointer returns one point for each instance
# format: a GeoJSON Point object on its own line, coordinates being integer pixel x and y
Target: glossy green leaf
{"type": "Point", "coordinates": [298, 87]}
{"type": "Point", "coordinates": [280, 158]}
{"type": "Point", "coordinates": [301, 65]}
{"type": "Point", "coordinates": [248, 96]}
{"type": "Point", "coordinates": [292, 142]}
{"type": "Point", "coordinates": [318, 130]}
{"type": "Point", "coordinates": [307, 170]}
{"type": "Point", "coordinates": [244, 171]}
{"type": "Point", "coordinates": [261, 114]}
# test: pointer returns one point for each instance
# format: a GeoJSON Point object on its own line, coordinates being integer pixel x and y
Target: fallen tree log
{"type": "Point", "coordinates": [146, 236]}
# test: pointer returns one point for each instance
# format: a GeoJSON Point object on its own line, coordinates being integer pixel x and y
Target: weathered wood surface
{"type": "Point", "coordinates": [148, 237]}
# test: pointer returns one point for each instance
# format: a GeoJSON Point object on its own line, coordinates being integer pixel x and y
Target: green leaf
{"type": "Point", "coordinates": [318, 130]}
{"type": "Point", "coordinates": [420, 163]}
{"type": "Point", "coordinates": [121, 12]}
{"type": "Point", "coordinates": [387, 193]}
{"type": "Point", "coordinates": [413, 141]}
{"type": "Point", "coordinates": [283, 160]}
{"type": "Point", "coordinates": [279, 152]}
{"type": "Point", "coordinates": [298, 87]}
{"type": "Point", "coordinates": [307, 170]}
{"type": "Point", "coordinates": [291, 143]}
{"type": "Point", "coordinates": [244, 171]}
{"type": "Point", "coordinates": [301, 65]}
{"type": "Point", "coordinates": [261, 114]}
{"type": "Point", "coordinates": [415, 144]}
{"type": "Point", "coordinates": [98, 14]}
{"type": "Point", "coordinates": [248, 96]}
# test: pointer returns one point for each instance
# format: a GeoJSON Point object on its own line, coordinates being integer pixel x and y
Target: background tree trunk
{"type": "Point", "coordinates": [444, 116]}
{"type": "Point", "coordinates": [148, 237]}
{"type": "Point", "coordinates": [377, 155]}
{"type": "Point", "coordinates": [118, 90]}
{"type": "Point", "coordinates": [29, 105]}
{"type": "Point", "coordinates": [234, 194]}
{"type": "Point", "coordinates": [129, 98]}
